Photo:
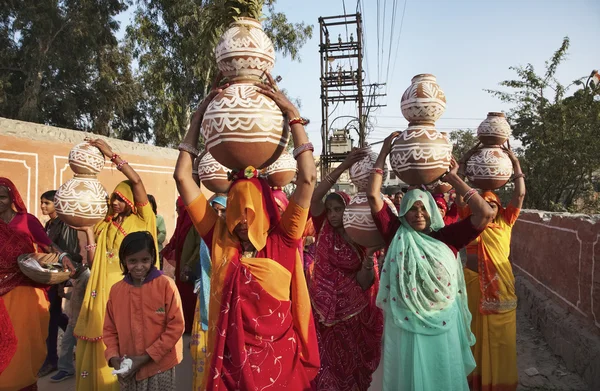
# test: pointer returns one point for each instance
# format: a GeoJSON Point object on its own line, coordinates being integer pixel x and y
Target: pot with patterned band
{"type": "Point", "coordinates": [282, 172]}
{"type": "Point", "coordinates": [420, 155]}
{"type": "Point", "coordinates": [213, 174]}
{"type": "Point", "coordinates": [489, 168]}
{"type": "Point", "coordinates": [359, 223]}
{"type": "Point", "coordinates": [361, 171]}
{"type": "Point", "coordinates": [494, 130]}
{"type": "Point", "coordinates": [82, 201]}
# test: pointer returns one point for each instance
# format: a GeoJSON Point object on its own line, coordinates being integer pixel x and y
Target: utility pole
{"type": "Point", "coordinates": [342, 80]}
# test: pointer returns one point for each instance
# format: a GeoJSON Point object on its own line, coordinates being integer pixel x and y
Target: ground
{"type": "Point", "coordinates": [533, 352]}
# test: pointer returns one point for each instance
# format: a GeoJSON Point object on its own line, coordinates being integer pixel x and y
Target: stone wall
{"type": "Point", "coordinates": [35, 158]}
{"type": "Point", "coordinates": [558, 284]}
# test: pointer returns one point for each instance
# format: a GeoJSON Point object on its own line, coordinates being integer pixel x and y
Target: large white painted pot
{"type": "Point", "coordinates": [359, 223]}
{"type": "Point", "coordinates": [420, 155]}
{"type": "Point", "coordinates": [423, 102]}
{"type": "Point", "coordinates": [244, 50]}
{"type": "Point", "coordinates": [283, 171]}
{"type": "Point", "coordinates": [242, 127]}
{"type": "Point", "coordinates": [489, 168]}
{"type": "Point", "coordinates": [494, 130]}
{"type": "Point", "coordinates": [362, 169]}
{"type": "Point", "coordinates": [213, 174]}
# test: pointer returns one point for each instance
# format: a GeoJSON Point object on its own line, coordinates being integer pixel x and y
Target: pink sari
{"type": "Point", "coordinates": [349, 324]}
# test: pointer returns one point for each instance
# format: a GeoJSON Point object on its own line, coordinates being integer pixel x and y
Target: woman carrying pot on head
{"type": "Point", "coordinates": [343, 290]}
{"type": "Point", "coordinates": [426, 339]}
{"type": "Point", "coordinates": [128, 211]}
{"type": "Point", "coordinates": [491, 289]}
{"type": "Point", "coordinates": [24, 300]}
{"type": "Point", "coordinates": [261, 330]}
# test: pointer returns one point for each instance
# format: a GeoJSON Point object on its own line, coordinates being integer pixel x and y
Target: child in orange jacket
{"type": "Point", "coordinates": [144, 322]}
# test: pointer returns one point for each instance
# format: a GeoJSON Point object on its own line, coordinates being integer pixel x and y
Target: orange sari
{"type": "Point", "coordinates": [493, 303]}
{"type": "Point", "coordinates": [261, 329]}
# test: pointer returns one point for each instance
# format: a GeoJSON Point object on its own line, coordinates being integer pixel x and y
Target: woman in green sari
{"type": "Point", "coordinates": [427, 338]}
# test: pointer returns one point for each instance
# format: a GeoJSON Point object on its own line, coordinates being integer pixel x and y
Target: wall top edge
{"type": "Point", "coordinates": [52, 134]}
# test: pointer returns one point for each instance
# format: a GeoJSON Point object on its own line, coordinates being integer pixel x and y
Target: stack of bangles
{"type": "Point", "coordinates": [185, 147]}
{"type": "Point", "coordinates": [376, 170]}
{"type": "Point", "coordinates": [329, 179]}
{"type": "Point", "coordinates": [121, 164]}
{"type": "Point", "coordinates": [303, 148]}
{"type": "Point", "coordinates": [298, 120]}
{"type": "Point", "coordinates": [468, 195]}
{"type": "Point", "coordinates": [90, 247]}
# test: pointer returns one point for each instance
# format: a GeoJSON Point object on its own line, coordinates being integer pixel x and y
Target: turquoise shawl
{"type": "Point", "coordinates": [422, 285]}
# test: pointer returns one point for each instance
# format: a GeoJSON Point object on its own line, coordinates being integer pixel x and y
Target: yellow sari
{"type": "Point", "coordinates": [92, 370]}
{"type": "Point", "coordinates": [493, 303]}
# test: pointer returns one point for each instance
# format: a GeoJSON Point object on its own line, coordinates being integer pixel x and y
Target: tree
{"type": "Point", "coordinates": [174, 41]}
{"type": "Point", "coordinates": [462, 141]}
{"type": "Point", "coordinates": [61, 64]}
{"type": "Point", "coordinates": [559, 134]}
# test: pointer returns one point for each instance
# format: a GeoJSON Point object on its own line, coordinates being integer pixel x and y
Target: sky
{"type": "Point", "coordinates": [468, 45]}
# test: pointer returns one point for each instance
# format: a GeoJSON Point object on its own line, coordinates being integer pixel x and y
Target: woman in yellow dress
{"type": "Point", "coordinates": [491, 291]}
{"type": "Point", "coordinates": [129, 211]}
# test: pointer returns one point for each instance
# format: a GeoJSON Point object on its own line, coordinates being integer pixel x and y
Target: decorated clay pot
{"type": "Point", "coordinates": [494, 130]}
{"type": "Point", "coordinates": [86, 159]}
{"type": "Point", "coordinates": [242, 127]}
{"type": "Point", "coordinates": [439, 187]}
{"type": "Point", "coordinates": [420, 155]}
{"type": "Point", "coordinates": [244, 50]}
{"type": "Point", "coordinates": [489, 168]}
{"type": "Point", "coordinates": [424, 101]}
{"type": "Point", "coordinates": [361, 171]}
{"type": "Point", "coordinates": [359, 223]}
{"type": "Point", "coordinates": [81, 201]}
{"type": "Point", "coordinates": [282, 172]}
{"type": "Point", "coordinates": [213, 174]}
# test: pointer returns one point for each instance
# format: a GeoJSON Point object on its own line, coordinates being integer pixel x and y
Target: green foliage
{"type": "Point", "coordinates": [462, 141]}
{"type": "Point", "coordinates": [559, 134]}
{"type": "Point", "coordinates": [174, 44]}
{"type": "Point", "coordinates": [61, 64]}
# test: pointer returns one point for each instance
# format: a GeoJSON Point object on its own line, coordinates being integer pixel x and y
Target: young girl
{"type": "Point", "coordinates": [144, 320]}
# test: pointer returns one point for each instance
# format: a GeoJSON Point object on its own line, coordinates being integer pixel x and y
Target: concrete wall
{"type": "Point", "coordinates": [558, 284]}
{"type": "Point", "coordinates": [35, 158]}
{"type": "Point", "coordinates": [557, 252]}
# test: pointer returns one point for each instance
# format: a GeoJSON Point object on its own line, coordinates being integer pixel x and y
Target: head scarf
{"type": "Point", "coordinates": [281, 199]}
{"type": "Point", "coordinates": [490, 196]}
{"type": "Point", "coordinates": [345, 198]}
{"type": "Point", "coordinates": [253, 199]}
{"type": "Point", "coordinates": [221, 200]}
{"type": "Point", "coordinates": [422, 284]}
{"type": "Point", "coordinates": [17, 202]}
{"type": "Point", "coordinates": [184, 223]}
{"type": "Point", "coordinates": [125, 191]}
{"type": "Point", "coordinates": [441, 201]}
{"type": "Point", "coordinates": [13, 243]}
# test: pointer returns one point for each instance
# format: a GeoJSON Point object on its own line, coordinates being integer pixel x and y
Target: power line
{"type": "Point", "coordinates": [394, 10]}
{"type": "Point", "coordinates": [399, 35]}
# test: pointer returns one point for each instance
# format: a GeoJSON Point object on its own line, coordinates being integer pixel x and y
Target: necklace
{"type": "Point", "coordinates": [249, 254]}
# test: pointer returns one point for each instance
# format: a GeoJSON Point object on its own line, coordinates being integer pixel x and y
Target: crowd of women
{"type": "Point", "coordinates": [272, 289]}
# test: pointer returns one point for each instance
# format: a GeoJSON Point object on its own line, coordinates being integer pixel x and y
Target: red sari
{"type": "Point", "coordinates": [261, 330]}
{"type": "Point", "coordinates": [172, 254]}
{"type": "Point", "coordinates": [24, 313]}
{"type": "Point", "coordinates": [349, 324]}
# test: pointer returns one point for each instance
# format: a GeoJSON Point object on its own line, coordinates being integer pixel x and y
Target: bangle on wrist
{"type": "Point", "coordinates": [468, 195]}
{"type": "Point", "coordinates": [377, 170]}
{"type": "Point", "coordinates": [114, 157]}
{"type": "Point", "coordinates": [120, 165]}
{"type": "Point", "coordinates": [517, 176]}
{"type": "Point", "coordinates": [185, 147]}
{"type": "Point", "coordinates": [303, 148]}
{"type": "Point", "coordinates": [90, 247]}
{"type": "Point", "coordinates": [298, 120]}
{"type": "Point", "coordinates": [329, 179]}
